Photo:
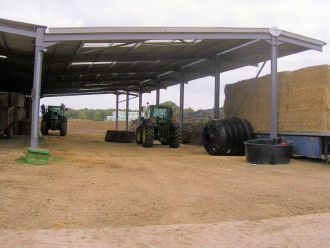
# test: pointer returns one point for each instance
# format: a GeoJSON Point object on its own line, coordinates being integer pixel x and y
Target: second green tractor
{"type": "Point", "coordinates": [53, 119]}
{"type": "Point", "coordinates": [159, 124]}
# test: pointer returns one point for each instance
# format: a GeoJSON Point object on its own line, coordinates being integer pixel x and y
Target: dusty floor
{"type": "Point", "coordinates": [299, 231]}
{"type": "Point", "coordinates": [109, 185]}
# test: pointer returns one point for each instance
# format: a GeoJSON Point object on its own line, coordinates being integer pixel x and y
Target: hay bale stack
{"type": "Point", "coordinates": [303, 100]}
{"type": "Point", "coordinates": [4, 99]}
{"type": "Point", "coordinates": [17, 99]}
{"type": "Point", "coordinates": [19, 113]}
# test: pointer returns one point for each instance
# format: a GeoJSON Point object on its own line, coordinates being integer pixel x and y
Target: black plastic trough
{"type": "Point", "coordinates": [266, 151]}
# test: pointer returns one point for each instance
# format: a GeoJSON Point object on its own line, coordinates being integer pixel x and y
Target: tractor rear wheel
{"type": "Point", "coordinates": [138, 136]}
{"type": "Point", "coordinates": [147, 136]}
{"type": "Point", "coordinates": [44, 129]}
{"type": "Point", "coordinates": [63, 129]}
{"type": "Point", "coordinates": [175, 140]}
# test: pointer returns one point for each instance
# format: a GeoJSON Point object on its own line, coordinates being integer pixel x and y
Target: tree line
{"type": "Point", "coordinates": [100, 114]}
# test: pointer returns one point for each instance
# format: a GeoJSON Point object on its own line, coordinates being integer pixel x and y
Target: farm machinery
{"type": "Point", "coordinates": [159, 124]}
{"type": "Point", "coordinates": [53, 119]}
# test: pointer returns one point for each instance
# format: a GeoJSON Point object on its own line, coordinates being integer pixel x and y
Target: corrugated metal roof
{"type": "Point", "coordinates": [108, 59]}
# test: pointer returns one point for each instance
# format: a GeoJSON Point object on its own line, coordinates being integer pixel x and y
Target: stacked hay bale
{"type": "Point", "coordinates": [303, 100]}
{"type": "Point", "coordinates": [22, 111]}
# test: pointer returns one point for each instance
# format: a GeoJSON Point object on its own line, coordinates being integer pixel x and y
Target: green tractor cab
{"type": "Point", "coordinates": [161, 125]}
{"type": "Point", "coordinates": [53, 119]}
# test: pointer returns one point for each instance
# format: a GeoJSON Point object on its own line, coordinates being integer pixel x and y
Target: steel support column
{"type": "Point", "coordinates": [140, 106]}
{"type": "Point", "coordinates": [117, 106]}
{"type": "Point", "coordinates": [182, 100]}
{"type": "Point", "coordinates": [216, 87]}
{"type": "Point", "coordinates": [273, 93]}
{"type": "Point", "coordinates": [36, 88]}
{"type": "Point", "coordinates": [127, 110]}
{"type": "Point", "coordinates": [157, 95]}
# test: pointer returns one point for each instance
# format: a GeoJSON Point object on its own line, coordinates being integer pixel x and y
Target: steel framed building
{"type": "Point", "coordinates": [134, 60]}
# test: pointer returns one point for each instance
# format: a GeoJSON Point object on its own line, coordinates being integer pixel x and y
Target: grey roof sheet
{"type": "Point", "coordinates": [109, 59]}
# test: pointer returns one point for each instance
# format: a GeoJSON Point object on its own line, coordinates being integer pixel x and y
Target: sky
{"type": "Point", "coordinates": [304, 17]}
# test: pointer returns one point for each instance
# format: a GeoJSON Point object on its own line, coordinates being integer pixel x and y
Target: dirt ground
{"type": "Point", "coordinates": [110, 185]}
{"type": "Point", "coordinates": [298, 231]}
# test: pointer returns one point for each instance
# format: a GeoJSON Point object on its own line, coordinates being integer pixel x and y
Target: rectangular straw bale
{"type": "Point", "coordinates": [310, 77]}
{"type": "Point", "coordinates": [263, 86]}
{"type": "Point", "coordinates": [283, 101]}
{"type": "Point", "coordinates": [17, 99]}
{"type": "Point", "coordinates": [328, 120]}
{"type": "Point", "coordinates": [4, 99]}
{"type": "Point", "coordinates": [312, 98]}
{"type": "Point", "coordinates": [328, 97]}
{"type": "Point", "coordinates": [234, 92]}
{"type": "Point", "coordinates": [303, 100]}
{"type": "Point", "coordinates": [263, 123]}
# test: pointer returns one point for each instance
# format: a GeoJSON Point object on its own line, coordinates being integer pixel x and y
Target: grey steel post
{"type": "Point", "coordinates": [36, 88]}
{"type": "Point", "coordinates": [127, 109]}
{"type": "Point", "coordinates": [140, 106]}
{"type": "Point", "coordinates": [117, 106]}
{"type": "Point", "coordinates": [216, 87]}
{"type": "Point", "coordinates": [273, 93]}
{"type": "Point", "coordinates": [181, 100]}
{"type": "Point", "coordinates": [157, 94]}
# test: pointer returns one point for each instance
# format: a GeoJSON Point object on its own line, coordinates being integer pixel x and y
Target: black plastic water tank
{"type": "Point", "coordinates": [266, 151]}
{"type": "Point", "coordinates": [226, 136]}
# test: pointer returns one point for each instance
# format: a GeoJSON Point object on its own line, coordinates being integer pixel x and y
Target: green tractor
{"type": "Point", "coordinates": [159, 124]}
{"type": "Point", "coordinates": [53, 119]}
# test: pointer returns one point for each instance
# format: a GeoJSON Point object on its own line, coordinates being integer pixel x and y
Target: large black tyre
{"type": "Point", "coordinates": [63, 129]}
{"type": "Point", "coordinates": [43, 128]}
{"type": "Point", "coordinates": [176, 138]}
{"type": "Point", "coordinates": [147, 136]}
{"type": "Point", "coordinates": [138, 136]}
{"type": "Point", "coordinates": [226, 137]}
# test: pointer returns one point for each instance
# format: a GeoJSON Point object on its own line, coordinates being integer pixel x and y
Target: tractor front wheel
{"type": "Point", "coordinates": [138, 136]}
{"type": "Point", "coordinates": [147, 136]}
{"type": "Point", "coordinates": [63, 129]}
{"type": "Point", "coordinates": [176, 138]}
{"type": "Point", "coordinates": [44, 129]}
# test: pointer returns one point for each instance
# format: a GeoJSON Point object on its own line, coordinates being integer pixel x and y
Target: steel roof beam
{"type": "Point", "coordinates": [19, 31]}
{"type": "Point", "coordinates": [112, 72]}
{"type": "Point", "coordinates": [5, 43]}
{"type": "Point", "coordinates": [221, 53]}
{"type": "Point", "coordinates": [114, 62]}
{"type": "Point", "coordinates": [300, 43]}
{"type": "Point", "coordinates": [82, 93]}
{"type": "Point", "coordinates": [111, 46]}
{"type": "Point", "coordinates": [237, 47]}
{"type": "Point", "coordinates": [203, 52]}
{"type": "Point", "coordinates": [100, 80]}
{"type": "Point", "coordinates": [160, 47]}
{"type": "Point", "coordinates": [153, 36]}
{"type": "Point", "coordinates": [125, 59]}
{"type": "Point", "coordinates": [71, 90]}
{"type": "Point", "coordinates": [69, 64]}
{"type": "Point", "coordinates": [116, 92]}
